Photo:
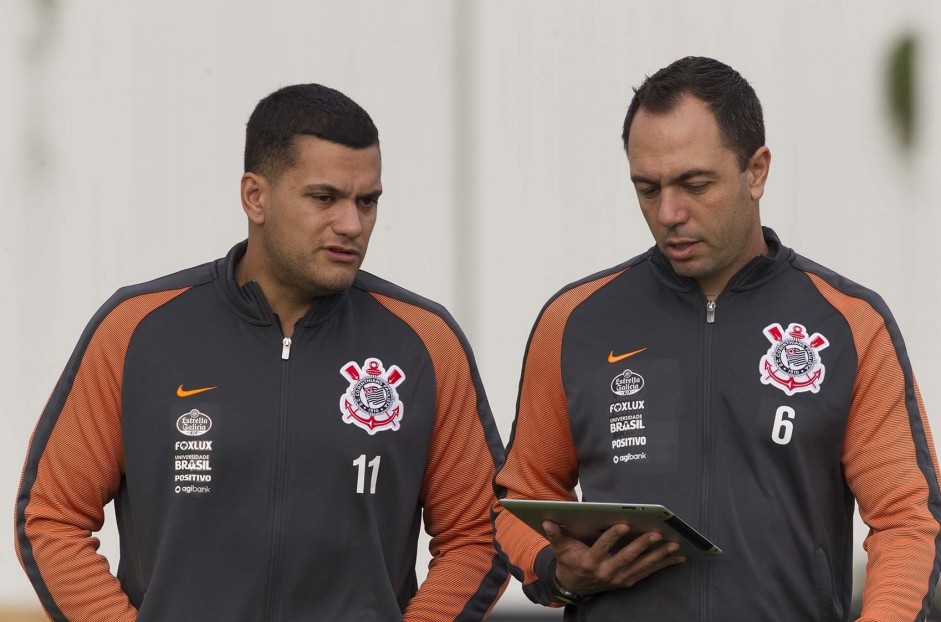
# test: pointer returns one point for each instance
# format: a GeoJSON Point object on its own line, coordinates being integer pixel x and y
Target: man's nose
{"type": "Point", "coordinates": [672, 210]}
{"type": "Point", "coordinates": [347, 220]}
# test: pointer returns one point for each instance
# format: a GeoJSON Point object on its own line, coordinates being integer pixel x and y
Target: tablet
{"type": "Point", "coordinates": [587, 521]}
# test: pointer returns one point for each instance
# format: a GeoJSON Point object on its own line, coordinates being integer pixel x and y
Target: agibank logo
{"type": "Point", "coordinates": [371, 401]}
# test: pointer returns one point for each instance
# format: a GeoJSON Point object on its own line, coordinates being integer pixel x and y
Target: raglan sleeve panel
{"type": "Point", "coordinates": [466, 576]}
{"type": "Point", "coordinates": [74, 468]}
{"type": "Point", "coordinates": [890, 465]}
{"type": "Point", "coordinates": [541, 460]}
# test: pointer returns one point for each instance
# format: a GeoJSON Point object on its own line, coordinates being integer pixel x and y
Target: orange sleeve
{"type": "Point", "coordinates": [465, 575]}
{"type": "Point", "coordinates": [73, 469]}
{"type": "Point", "coordinates": [891, 467]}
{"type": "Point", "coordinates": [541, 461]}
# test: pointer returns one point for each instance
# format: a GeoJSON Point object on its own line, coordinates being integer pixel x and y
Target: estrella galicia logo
{"type": "Point", "coordinates": [194, 423]}
{"type": "Point", "coordinates": [627, 383]}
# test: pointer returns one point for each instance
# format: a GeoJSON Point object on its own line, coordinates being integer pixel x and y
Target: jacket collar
{"type": "Point", "coordinates": [249, 300]}
{"type": "Point", "coordinates": [753, 274]}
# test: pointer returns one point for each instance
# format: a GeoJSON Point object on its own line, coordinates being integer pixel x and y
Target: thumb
{"type": "Point", "coordinates": [553, 531]}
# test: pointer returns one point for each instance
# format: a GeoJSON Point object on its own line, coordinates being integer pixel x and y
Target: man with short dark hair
{"type": "Point", "coordinates": [273, 425]}
{"type": "Point", "coordinates": [746, 388]}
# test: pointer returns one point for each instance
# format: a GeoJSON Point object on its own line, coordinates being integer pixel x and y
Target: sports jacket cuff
{"type": "Point", "coordinates": [542, 591]}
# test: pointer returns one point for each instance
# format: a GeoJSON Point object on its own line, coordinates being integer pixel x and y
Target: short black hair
{"type": "Point", "coordinates": [728, 95]}
{"type": "Point", "coordinates": [310, 109]}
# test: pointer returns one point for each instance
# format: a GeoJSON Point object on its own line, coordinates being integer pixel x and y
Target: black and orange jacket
{"type": "Point", "coordinates": [258, 478]}
{"type": "Point", "coordinates": [758, 419]}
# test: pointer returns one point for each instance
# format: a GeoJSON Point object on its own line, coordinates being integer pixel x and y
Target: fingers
{"type": "Point", "coordinates": [610, 538]}
{"type": "Point", "coordinates": [603, 544]}
{"type": "Point", "coordinates": [665, 562]}
{"type": "Point", "coordinates": [586, 570]}
{"type": "Point", "coordinates": [637, 546]}
{"type": "Point", "coordinates": [650, 555]}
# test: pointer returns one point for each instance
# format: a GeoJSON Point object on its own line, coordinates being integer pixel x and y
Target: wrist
{"type": "Point", "coordinates": [562, 594]}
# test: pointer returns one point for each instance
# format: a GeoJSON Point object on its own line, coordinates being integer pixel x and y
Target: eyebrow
{"type": "Point", "coordinates": [374, 194]}
{"type": "Point", "coordinates": [682, 177]}
{"type": "Point", "coordinates": [320, 188]}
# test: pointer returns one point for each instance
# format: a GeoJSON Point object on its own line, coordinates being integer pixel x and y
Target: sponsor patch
{"type": "Point", "coordinates": [192, 459]}
{"type": "Point", "coordinates": [193, 423]}
{"type": "Point", "coordinates": [627, 383]}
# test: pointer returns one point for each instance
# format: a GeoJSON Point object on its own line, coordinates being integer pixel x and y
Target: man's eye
{"type": "Point", "coordinates": [321, 198]}
{"type": "Point", "coordinates": [648, 191]}
{"type": "Point", "coordinates": [697, 188]}
{"type": "Point", "coordinates": [368, 202]}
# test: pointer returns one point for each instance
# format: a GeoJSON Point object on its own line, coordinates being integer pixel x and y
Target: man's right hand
{"type": "Point", "coordinates": [587, 569]}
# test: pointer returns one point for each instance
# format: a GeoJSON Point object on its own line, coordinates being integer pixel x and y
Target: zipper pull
{"type": "Point", "coordinates": [710, 311]}
{"type": "Point", "coordinates": [286, 348]}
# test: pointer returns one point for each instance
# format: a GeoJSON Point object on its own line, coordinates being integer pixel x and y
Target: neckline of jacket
{"type": "Point", "coordinates": [755, 273]}
{"type": "Point", "coordinates": [249, 300]}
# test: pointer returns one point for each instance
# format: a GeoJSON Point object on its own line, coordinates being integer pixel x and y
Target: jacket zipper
{"type": "Point", "coordinates": [704, 609]}
{"type": "Point", "coordinates": [272, 600]}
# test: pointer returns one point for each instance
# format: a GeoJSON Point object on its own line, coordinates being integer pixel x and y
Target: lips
{"type": "Point", "coordinates": [679, 250]}
{"type": "Point", "coordinates": [342, 254]}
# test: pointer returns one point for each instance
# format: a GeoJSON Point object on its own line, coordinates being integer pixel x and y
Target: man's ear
{"type": "Point", "coordinates": [255, 191]}
{"type": "Point", "coordinates": [758, 167]}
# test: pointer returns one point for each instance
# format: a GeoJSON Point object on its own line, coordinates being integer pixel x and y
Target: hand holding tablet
{"type": "Point", "coordinates": [587, 521]}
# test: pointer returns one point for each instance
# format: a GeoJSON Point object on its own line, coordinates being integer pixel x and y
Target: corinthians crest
{"type": "Point", "coordinates": [793, 364]}
{"type": "Point", "coordinates": [371, 401]}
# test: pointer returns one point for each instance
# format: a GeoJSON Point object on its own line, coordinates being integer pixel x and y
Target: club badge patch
{"type": "Point", "coordinates": [793, 363]}
{"type": "Point", "coordinates": [371, 401]}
